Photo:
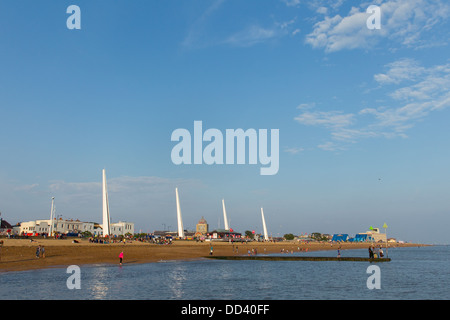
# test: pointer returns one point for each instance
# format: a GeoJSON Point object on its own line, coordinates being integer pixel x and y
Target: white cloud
{"type": "Point", "coordinates": [401, 70]}
{"type": "Point", "coordinates": [419, 91]}
{"type": "Point", "coordinates": [294, 150]}
{"type": "Point", "coordinates": [253, 35]}
{"type": "Point", "coordinates": [330, 146]}
{"type": "Point", "coordinates": [322, 10]}
{"type": "Point", "coordinates": [27, 187]}
{"type": "Point", "coordinates": [402, 22]}
{"type": "Point", "coordinates": [303, 106]}
{"type": "Point", "coordinates": [202, 34]}
{"type": "Point", "coordinates": [330, 119]}
{"type": "Point", "coordinates": [292, 3]}
{"type": "Point", "coordinates": [129, 186]}
{"type": "Point", "coordinates": [195, 35]}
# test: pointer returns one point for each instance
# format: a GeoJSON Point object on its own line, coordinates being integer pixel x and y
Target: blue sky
{"type": "Point", "coordinates": [363, 114]}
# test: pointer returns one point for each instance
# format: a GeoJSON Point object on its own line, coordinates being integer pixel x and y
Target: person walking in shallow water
{"type": "Point", "coordinates": [120, 258]}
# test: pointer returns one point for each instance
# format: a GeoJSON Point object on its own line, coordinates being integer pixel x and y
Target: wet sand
{"type": "Point", "coordinates": [19, 254]}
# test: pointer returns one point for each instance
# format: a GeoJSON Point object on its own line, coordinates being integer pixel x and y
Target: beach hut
{"type": "Point", "coordinates": [341, 237]}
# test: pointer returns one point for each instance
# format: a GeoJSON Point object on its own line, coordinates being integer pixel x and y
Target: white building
{"type": "Point", "coordinates": [59, 226]}
{"type": "Point", "coordinates": [121, 228]}
{"type": "Point", "coordinates": [375, 234]}
{"type": "Point", "coordinates": [72, 226]}
{"type": "Point", "coordinates": [32, 227]}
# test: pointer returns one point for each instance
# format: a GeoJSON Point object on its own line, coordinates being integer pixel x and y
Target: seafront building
{"type": "Point", "coordinates": [121, 228]}
{"type": "Point", "coordinates": [5, 227]}
{"type": "Point", "coordinates": [201, 228]}
{"type": "Point", "coordinates": [371, 235]}
{"type": "Point", "coordinates": [62, 226]}
{"type": "Point", "coordinates": [224, 234]}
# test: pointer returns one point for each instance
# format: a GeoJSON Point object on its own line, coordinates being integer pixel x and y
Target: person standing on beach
{"type": "Point", "coordinates": [370, 253]}
{"type": "Point", "coordinates": [38, 251]}
{"type": "Point", "coordinates": [211, 251]}
{"type": "Point", "coordinates": [43, 252]}
{"type": "Point", "coordinates": [120, 258]}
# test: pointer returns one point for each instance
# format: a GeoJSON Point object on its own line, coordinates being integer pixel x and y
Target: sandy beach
{"type": "Point", "coordinates": [19, 254]}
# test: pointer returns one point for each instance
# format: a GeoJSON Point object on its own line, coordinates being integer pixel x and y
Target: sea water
{"type": "Point", "coordinates": [413, 273]}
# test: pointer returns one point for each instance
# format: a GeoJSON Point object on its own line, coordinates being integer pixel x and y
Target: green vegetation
{"type": "Point", "coordinates": [248, 234]}
{"type": "Point", "coordinates": [318, 236]}
{"type": "Point", "coordinates": [289, 236]}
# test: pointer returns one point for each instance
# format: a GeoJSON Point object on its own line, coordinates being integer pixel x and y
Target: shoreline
{"type": "Point", "coordinates": [19, 254]}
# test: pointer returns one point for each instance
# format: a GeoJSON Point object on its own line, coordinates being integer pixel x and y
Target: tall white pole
{"type": "Point", "coordinates": [106, 217]}
{"type": "Point", "coordinates": [180, 221]}
{"type": "Point", "coordinates": [385, 234]}
{"type": "Point", "coordinates": [266, 236]}
{"type": "Point", "coordinates": [50, 227]}
{"type": "Point", "coordinates": [225, 215]}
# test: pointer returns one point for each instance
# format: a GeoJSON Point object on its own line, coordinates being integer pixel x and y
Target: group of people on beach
{"type": "Point", "coordinates": [376, 252]}
{"type": "Point", "coordinates": [40, 252]}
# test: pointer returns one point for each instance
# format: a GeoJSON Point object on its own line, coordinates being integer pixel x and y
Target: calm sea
{"type": "Point", "coordinates": [413, 273]}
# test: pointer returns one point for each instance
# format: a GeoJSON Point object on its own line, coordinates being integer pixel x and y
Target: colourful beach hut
{"type": "Point", "coordinates": [341, 237]}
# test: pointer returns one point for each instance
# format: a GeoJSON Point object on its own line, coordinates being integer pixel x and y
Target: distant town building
{"type": "Point", "coordinates": [202, 227]}
{"type": "Point", "coordinates": [371, 235]}
{"type": "Point", "coordinates": [224, 234]}
{"type": "Point", "coordinates": [5, 227]}
{"type": "Point", "coordinates": [121, 228]}
{"type": "Point", "coordinates": [61, 226]}
{"type": "Point", "coordinates": [341, 237]}
{"type": "Point", "coordinates": [31, 228]}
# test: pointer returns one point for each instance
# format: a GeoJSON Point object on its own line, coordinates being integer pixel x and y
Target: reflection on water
{"type": "Point", "coordinates": [177, 277]}
{"type": "Point", "coordinates": [413, 273]}
{"type": "Point", "coordinates": [99, 284]}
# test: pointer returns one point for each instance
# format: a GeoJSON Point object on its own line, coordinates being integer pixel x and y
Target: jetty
{"type": "Point", "coordinates": [281, 258]}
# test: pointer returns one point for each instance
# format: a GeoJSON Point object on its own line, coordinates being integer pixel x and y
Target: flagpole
{"type": "Point", "coordinates": [385, 233]}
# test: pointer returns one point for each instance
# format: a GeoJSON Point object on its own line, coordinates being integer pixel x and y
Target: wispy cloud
{"type": "Point", "coordinates": [127, 195]}
{"type": "Point", "coordinates": [196, 32]}
{"type": "Point", "coordinates": [418, 92]}
{"type": "Point", "coordinates": [294, 150]}
{"type": "Point", "coordinates": [291, 3]}
{"type": "Point", "coordinates": [27, 187]}
{"type": "Point", "coordinates": [428, 90]}
{"type": "Point", "coordinates": [398, 71]}
{"type": "Point", "coordinates": [125, 185]}
{"type": "Point", "coordinates": [329, 119]}
{"type": "Point", "coordinates": [252, 35]}
{"type": "Point", "coordinates": [201, 34]}
{"type": "Point", "coordinates": [403, 22]}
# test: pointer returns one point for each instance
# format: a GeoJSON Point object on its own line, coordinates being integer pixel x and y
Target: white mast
{"type": "Point", "coordinates": [50, 227]}
{"type": "Point", "coordinates": [180, 222]}
{"type": "Point", "coordinates": [106, 218]}
{"type": "Point", "coordinates": [225, 219]}
{"type": "Point", "coordinates": [266, 237]}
